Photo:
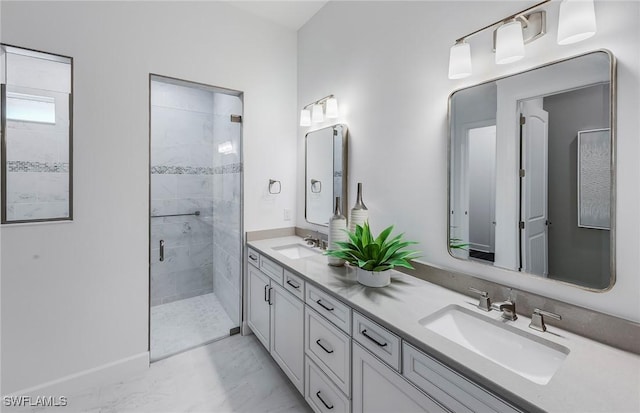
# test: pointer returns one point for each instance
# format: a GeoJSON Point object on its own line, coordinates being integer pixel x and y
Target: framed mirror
{"type": "Point", "coordinates": [532, 172]}
{"type": "Point", "coordinates": [325, 173]}
{"type": "Point", "coordinates": [36, 100]}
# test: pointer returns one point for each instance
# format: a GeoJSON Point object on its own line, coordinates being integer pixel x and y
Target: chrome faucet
{"type": "Point", "coordinates": [537, 319]}
{"type": "Point", "coordinates": [508, 309]}
{"type": "Point", "coordinates": [485, 302]}
{"type": "Point", "coordinates": [312, 241]}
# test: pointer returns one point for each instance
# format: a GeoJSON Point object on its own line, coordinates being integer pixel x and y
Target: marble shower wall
{"type": "Point", "coordinates": [181, 183]}
{"type": "Point", "coordinates": [227, 206]}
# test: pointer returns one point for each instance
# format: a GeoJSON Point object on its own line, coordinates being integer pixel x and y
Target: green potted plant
{"type": "Point", "coordinates": [373, 257]}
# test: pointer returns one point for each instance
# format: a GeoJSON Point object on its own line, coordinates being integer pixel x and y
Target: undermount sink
{"type": "Point", "coordinates": [529, 356]}
{"type": "Point", "coordinates": [296, 251]}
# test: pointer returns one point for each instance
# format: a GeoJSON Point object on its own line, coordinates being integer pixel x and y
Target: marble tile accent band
{"type": "Point", "coordinates": [196, 170]}
{"type": "Point", "coordinates": [30, 166]}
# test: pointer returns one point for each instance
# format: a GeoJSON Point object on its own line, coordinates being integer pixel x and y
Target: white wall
{"type": "Point", "coordinates": [386, 62]}
{"type": "Point", "coordinates": [75, 295]}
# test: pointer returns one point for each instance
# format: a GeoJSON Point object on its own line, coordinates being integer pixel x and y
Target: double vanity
{"type": "Point", "coordinates": [416, 346]}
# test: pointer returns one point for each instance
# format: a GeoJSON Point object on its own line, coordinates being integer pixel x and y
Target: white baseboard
{"type": "Point", "coordinates": [100, 375]}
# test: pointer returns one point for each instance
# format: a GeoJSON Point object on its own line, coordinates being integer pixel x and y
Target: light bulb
{"type": "Point", "coordinates": [577, 21]}
{"type": "Point", "coordinates": [509, 43]}
{"type": "Point", "coordinates": [460, 60]}
{"type": "Point", "coordinates": [332, 108]}
{"type": "Point", "coordinates": [316, 114]}
{"type": "Point", "coordinates": [305, 117]}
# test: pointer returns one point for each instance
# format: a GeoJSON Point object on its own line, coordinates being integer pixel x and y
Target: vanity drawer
{"type": "Point", "coordinates": [321, 394]}
{"type": "Point", "coordinates": [294, 284]}
{"type": "Point", "coordinates": [253, 257]}
{"type": "Point", "coordinates": [330, 348]}
{"type": "Point", "coordinates": [335, 311]}
{"type": "Point", "coordinates": [452, 390]}
{"type": "Point", "coordinates": [377, 339]}
{"type": "Point", "coordinates": [272, 269]}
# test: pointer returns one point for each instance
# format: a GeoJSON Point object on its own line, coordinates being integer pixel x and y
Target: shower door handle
{"type": "Point", "coordinates": [161, 250]}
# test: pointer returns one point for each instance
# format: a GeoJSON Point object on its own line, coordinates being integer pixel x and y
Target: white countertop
{"type": "Point", "coordinates": [593, 378]}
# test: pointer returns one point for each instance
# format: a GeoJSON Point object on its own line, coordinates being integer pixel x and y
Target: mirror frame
{"type": "Point", "coordinates": [3, 144]}
{"type": "Point", "coordinates": [613, 129]}
{"type": "Point", "coordinates": [345, 156]}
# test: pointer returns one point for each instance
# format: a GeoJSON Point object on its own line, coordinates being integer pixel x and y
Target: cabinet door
{"type": "Point", "coordinates": [258, 316]}
{"type": "Point", "coordinates": [377, 388]}
{"type": "Point", "coordinates": [287, 334]}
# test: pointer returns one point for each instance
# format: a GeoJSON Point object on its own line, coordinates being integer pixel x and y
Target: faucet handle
{"type": "Point", "coordinates": [485, 302]}
{"type": "Point", "coordinates": [537, 319]}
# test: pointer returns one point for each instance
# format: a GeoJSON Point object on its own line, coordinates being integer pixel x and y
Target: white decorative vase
{"type": "Point", "coordinates": [373, 278]}
{"type": "Point", "coordinates": [359, 213]}
{"type": "Point", "coordinates": [337, 227]}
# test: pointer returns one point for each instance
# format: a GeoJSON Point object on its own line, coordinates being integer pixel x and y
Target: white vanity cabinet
{"type": "Point", "coordinates": [276, 317]}
{"type": "Point", "coordinates": [343, 361]}
{"type": "Point", "coordinates": [378, 388]}
{"type": "Point", "coordinates": [258, 309]}
{"type": "Point", "coordinates": [287, 334]}
{"type": "Point", "coordinates": [455, 392]}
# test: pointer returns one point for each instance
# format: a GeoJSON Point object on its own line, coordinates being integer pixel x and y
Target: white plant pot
{"type": "Point", "coordinates": [373, 278]}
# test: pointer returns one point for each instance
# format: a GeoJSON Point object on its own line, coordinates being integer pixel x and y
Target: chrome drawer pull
{"type": "Point", "coordinates": [364, 333]}
{"type": "Point", "coordinates": [323, 347]}
{"type": "Point", "coordinates": [293, 285]}
{"type": "Point", "coordinates": [324, 306]}
{"type": "Point", "coordinates": [161, 250]}
{"type": "Point", "coordinates": [323, 402]}
{"type": "Point", "coordinates": [253, 257]}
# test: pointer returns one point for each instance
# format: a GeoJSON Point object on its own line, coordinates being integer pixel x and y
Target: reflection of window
{"type": "Point", "coordinates": [31, 108]}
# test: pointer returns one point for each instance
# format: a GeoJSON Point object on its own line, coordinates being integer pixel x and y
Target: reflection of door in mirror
{"type": "Point", "coordinates": [533, 180]}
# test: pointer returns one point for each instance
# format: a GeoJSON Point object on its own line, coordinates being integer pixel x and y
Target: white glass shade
{"type": "Point", "coordinates": [316, 114]}
{"type": "Point", "coordinates": [577, 21]}
{"type": "Point", "coordinates": [509, 43]}
{"type": "Point", "coordinates": [305, 117]}
{"type": "Point", "coordinates": [332, 108]}
{"type": "Point", "coordinates": [459, 61]}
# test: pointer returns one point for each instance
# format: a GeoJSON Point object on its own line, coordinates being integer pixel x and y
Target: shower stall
{"type": "Point", "coordinates": [195, 214]}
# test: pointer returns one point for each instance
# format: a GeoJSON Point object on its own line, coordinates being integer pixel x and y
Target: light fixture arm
{"type": "Point", "coordinates": [319, 101]}
{"type": "Point", "coordinates": [517, 15]}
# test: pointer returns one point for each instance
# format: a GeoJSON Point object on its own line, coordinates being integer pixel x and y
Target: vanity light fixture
{"type": "Point", "coordinates": [577, 22]}
{"type": "Point", "coordinates": [305, 117]}
{"type": "Point", "coordinates": [509, 43]}
{"type": "Point", "coordinates": [460, 60]}
{"type": "Point", "coordinates": [317, 115]}
{"type": "Point", "coordinates": [327, 106]}
{"type": "Point", "coordinates": [331, 110]}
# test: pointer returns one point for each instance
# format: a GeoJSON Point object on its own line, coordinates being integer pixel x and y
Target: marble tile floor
{"type": "Point", "coordinates": [235, 374]}
{"type": "Point", "coordinates": [185, 324]}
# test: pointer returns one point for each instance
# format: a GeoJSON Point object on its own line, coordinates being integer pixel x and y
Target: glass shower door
{"type": "Point", "coordinates": [195, 216]}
